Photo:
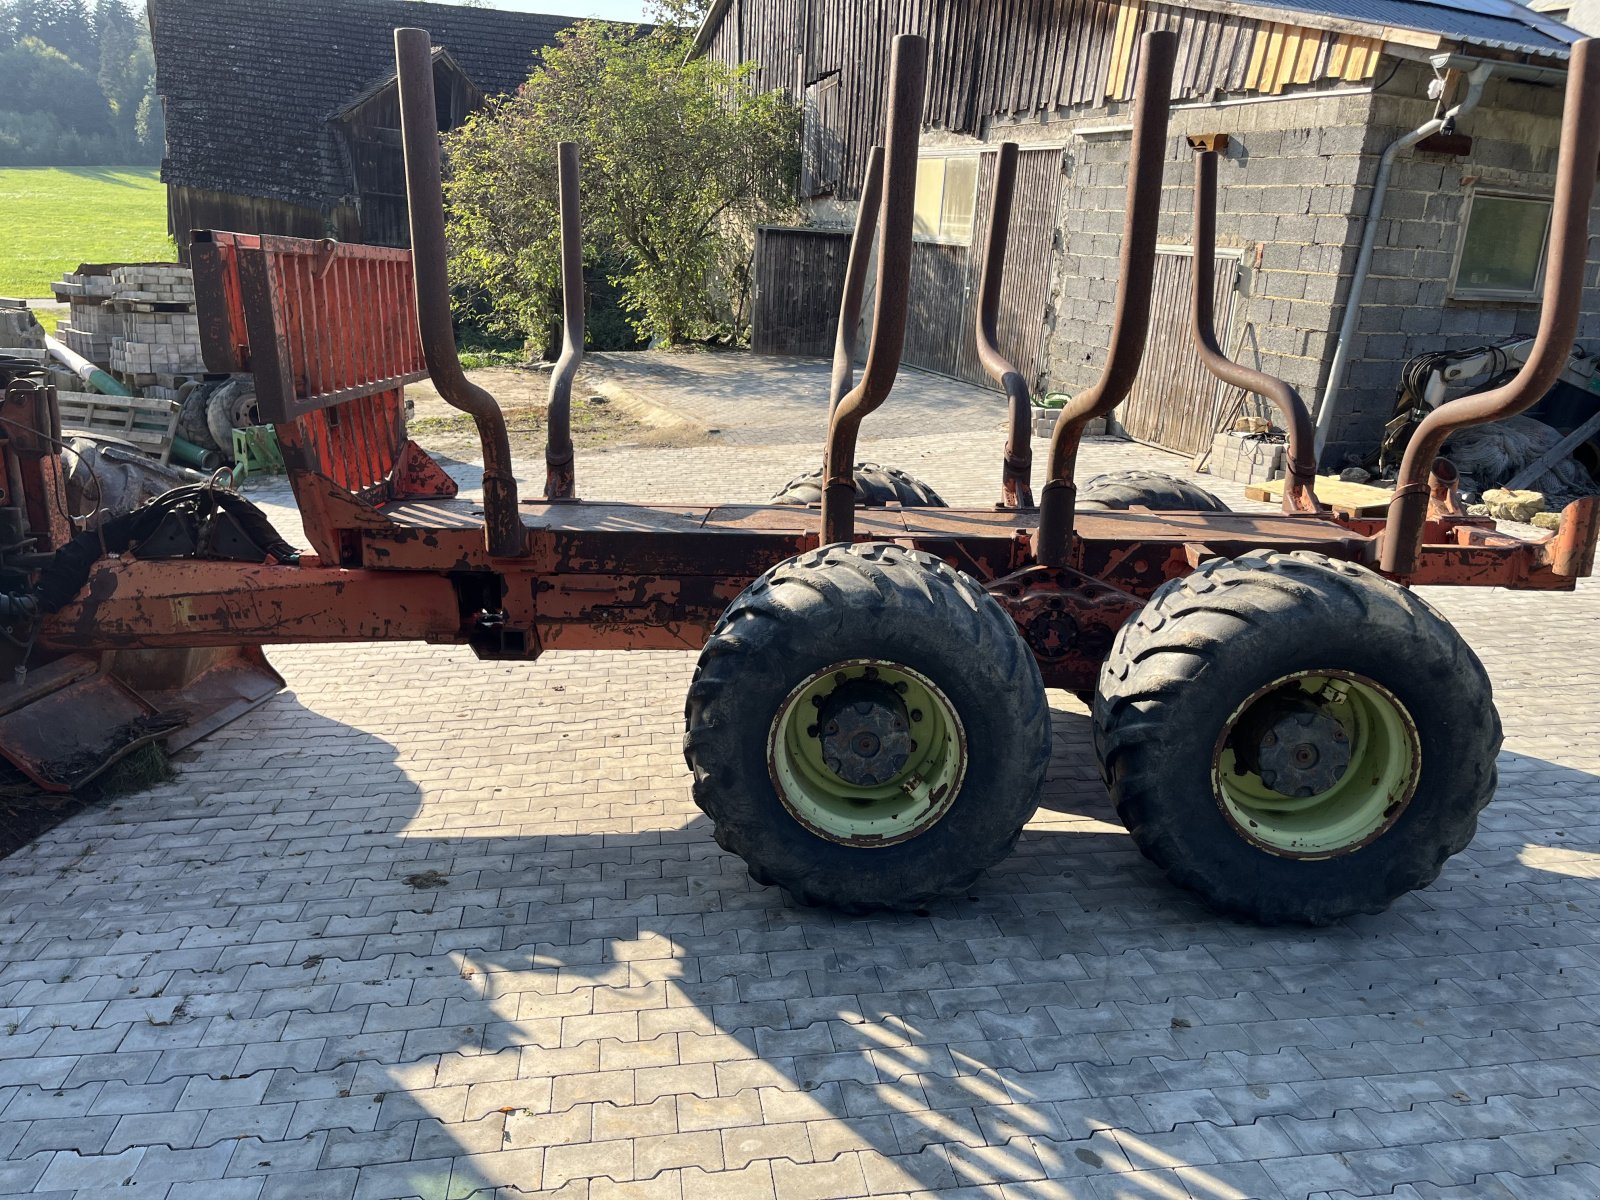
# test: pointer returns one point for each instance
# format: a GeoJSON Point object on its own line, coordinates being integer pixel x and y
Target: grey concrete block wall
{"type": "Point", "coordinates": [1407, 309]}
{"type": "Point", "coordinates": [1285, 185]}
{"type": "Point", "coordinates": [1295, 186]}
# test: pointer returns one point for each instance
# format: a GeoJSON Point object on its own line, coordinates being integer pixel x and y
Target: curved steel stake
{"type": "Point", "coordinates": [855, 281]}
{"type": "Point", "coordinates": [1131, 319]}
{"type": "Point", "coordinates": [558, 466]}
{"type": "Point", "coordinates": [419, 133]}
{"type": "Point", "coordinates": [1568, 258]}
{"type": "Point", "coordinates": [1016, 480]}
{"type": "Point", "coordinates": [1299, 489]}
{"type": "Point", "coordinates": [907, 71]}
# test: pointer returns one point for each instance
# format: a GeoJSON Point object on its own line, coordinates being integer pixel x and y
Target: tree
{"type": "Point", "coordinates": [62, 24]}
{"type": "Point", "coordinates": [78, 75]}
{"type": "Point", "coordinates": [41, 79]}
{"type": "Point", "coordinates": [125, 65]}
{"type": "Point", "coordinates": [683, 15]}
{"type": "Point", "coordinates": [680, 159]}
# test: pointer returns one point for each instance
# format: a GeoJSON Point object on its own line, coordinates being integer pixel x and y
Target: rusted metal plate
{"type": "Point", "coordinates": [62, 739]}
{"type": "Point", "coordinates": [177, 602]}
{"type": "Point", "coordinates": [631, 612]}
{"type": "Point", "coordinates": [210, 687]}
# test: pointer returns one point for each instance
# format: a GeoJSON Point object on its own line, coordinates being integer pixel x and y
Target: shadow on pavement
{"type": "Point", "coordinates": [320, 962]}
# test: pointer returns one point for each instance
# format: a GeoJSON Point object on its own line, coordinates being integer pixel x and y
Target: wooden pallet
{"type": "Point", "coordinates": [1349, 499]}
{"type": "Point", "coordinates": [147, 422]}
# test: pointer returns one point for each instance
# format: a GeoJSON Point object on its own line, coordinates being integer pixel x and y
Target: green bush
{"type": "Point", "coordinates": [680, 157]}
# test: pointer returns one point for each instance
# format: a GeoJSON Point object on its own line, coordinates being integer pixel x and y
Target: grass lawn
{"type": "Point", "coordinates": [53, 218]}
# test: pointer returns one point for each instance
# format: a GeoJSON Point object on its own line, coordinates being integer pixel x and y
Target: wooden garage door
{"type": "Point", "coordinates": [1173, 401]}
{"type": "Point", "coordinates": [941, 334]}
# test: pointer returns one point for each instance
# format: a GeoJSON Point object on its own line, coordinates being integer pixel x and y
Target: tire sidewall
{"type": "Point", "coordinates": [1453, 740]}
{"type": "Point", "coordinates": [999, 789]}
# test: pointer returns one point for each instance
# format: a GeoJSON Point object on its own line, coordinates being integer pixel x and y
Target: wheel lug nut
{"type": "Point", "coordinates": [916, 714]}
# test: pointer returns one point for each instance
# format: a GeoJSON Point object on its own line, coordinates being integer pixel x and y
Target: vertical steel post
{"type": "Point", "coordinates": [1131, 319]}
{"type": "Point", "coordinates": [559, 480]}
{"type": "Point", "coordinates": [1016, 476]}
{"type": "Point", "coordinates": [1567, 258]}
{"type": "Point", "coordinates": [906, 77]}
{"type": "Point", "coordinates": [419, 133]}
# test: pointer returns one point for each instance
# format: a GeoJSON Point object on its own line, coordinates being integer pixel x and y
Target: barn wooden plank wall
{"type": "Point", "coordinates": [799, 279]}
{"type": "Point", "coordinates": [1013, 57]}
{"type": "Point", "coordinates": [189, 209]}
{"type": "Point", "coordinates": [1171, 402]}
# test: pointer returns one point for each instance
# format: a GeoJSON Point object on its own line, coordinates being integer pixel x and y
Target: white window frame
{"type": "Point", "coordinates": [940, 237]}
{"type": "Point", "coordinates": [1459, 291]}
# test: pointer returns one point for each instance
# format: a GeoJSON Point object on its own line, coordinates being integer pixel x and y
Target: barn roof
{"type": "Point", "coordinates": [249, 85]}
{"type": "Point", "coordinates": [1501, 24]}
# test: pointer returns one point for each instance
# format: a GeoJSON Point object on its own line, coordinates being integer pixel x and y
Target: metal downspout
{"type": "Point", "coordinates": [1478, 76]}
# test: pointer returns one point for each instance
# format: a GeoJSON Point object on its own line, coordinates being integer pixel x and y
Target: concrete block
{"type": "Point", "coordinates": [1245, 459]}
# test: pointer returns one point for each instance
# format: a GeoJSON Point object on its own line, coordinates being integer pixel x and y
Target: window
{"type": "Point", "coordinates": [1501, 252]}
{"type": "Point", "coordinates": [947, 190]}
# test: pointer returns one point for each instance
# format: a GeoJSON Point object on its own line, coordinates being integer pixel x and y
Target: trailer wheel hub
{"type": "Point", "coordinates": [867, 753]}
{"type": "Point", "coordinates": [1303, 753]}
{"type": "Point", "coordinates": [866, 736]}
{"type": "Point", "coordinates": [1316, 764]}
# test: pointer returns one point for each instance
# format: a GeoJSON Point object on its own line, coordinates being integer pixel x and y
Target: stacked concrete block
{"type": "Point", "coordinates": [165, 283]}
{"type": "Point", "coordinates": [156, 346]}
{"type": "Point", "coordinates": [87, 329]}
{"type": "Point", "coordinates": [21, 335]}
{"type": "Point", "coordinates": [136, 321]}
{"type": "Point", "coordinates": [1246, 458]}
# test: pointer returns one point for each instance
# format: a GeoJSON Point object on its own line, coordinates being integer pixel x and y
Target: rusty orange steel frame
{"type": "Point", "coordinates": [331, 333]}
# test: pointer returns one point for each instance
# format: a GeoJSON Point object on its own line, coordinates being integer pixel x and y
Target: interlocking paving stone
{"type": "Point", "coordinates": [226, 986]}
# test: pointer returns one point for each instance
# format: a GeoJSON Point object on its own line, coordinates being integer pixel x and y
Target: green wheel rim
{"type": "Point", "coordinates": [1365, 720]}
{"type": "Point", "coordinates": [905, 803]}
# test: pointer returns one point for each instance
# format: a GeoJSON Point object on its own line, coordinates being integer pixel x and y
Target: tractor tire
{"type": "Point", "coordinates": [1146, 489]}
{"type": "Point", "coordinates": [1295, 739]}
{"type": "Point", "coordinates": [192, 423]}
{"type": "Point", "coordinates": [867, 729]}
{"type": "Point", "coordinates": [876, 487]}
{"type": "Point", "coordinates": [230, 407]}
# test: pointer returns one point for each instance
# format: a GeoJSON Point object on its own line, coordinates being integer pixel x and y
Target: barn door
{"type": "Point", "coordinates": [1173, 400]}
{"type": "Point", "coordinates": [941, 335]}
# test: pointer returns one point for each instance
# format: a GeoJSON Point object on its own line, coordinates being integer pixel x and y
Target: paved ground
{"type": "Point", "coordinates": [427, 927]}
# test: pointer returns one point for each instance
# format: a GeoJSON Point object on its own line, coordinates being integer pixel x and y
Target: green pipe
{"type": "Point", "coordinates": [84, 369]}
{"type": "Point", "coordinates": [186, 451]}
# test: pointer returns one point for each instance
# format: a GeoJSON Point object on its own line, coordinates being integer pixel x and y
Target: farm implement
{"type": "Point", "coordinates": [1283, 724]}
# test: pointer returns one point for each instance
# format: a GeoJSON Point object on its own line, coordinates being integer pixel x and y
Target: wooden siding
{"type": "Point", "coordinates": [1018, 57]}
{"type": "Point", "coordinates": [189, 209]}
{"type": "Point", "coordinates": [1173, 399]}
{"type": "Point", "coordinates": [942, 336]}
{"type": "Point", "coordinates": [799, 279]}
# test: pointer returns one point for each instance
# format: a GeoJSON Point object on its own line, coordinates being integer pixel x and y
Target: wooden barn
{"type": "Point", "coordinates": [1310, 94]}
{"type": "Point", "coordinates": [283, 115]}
